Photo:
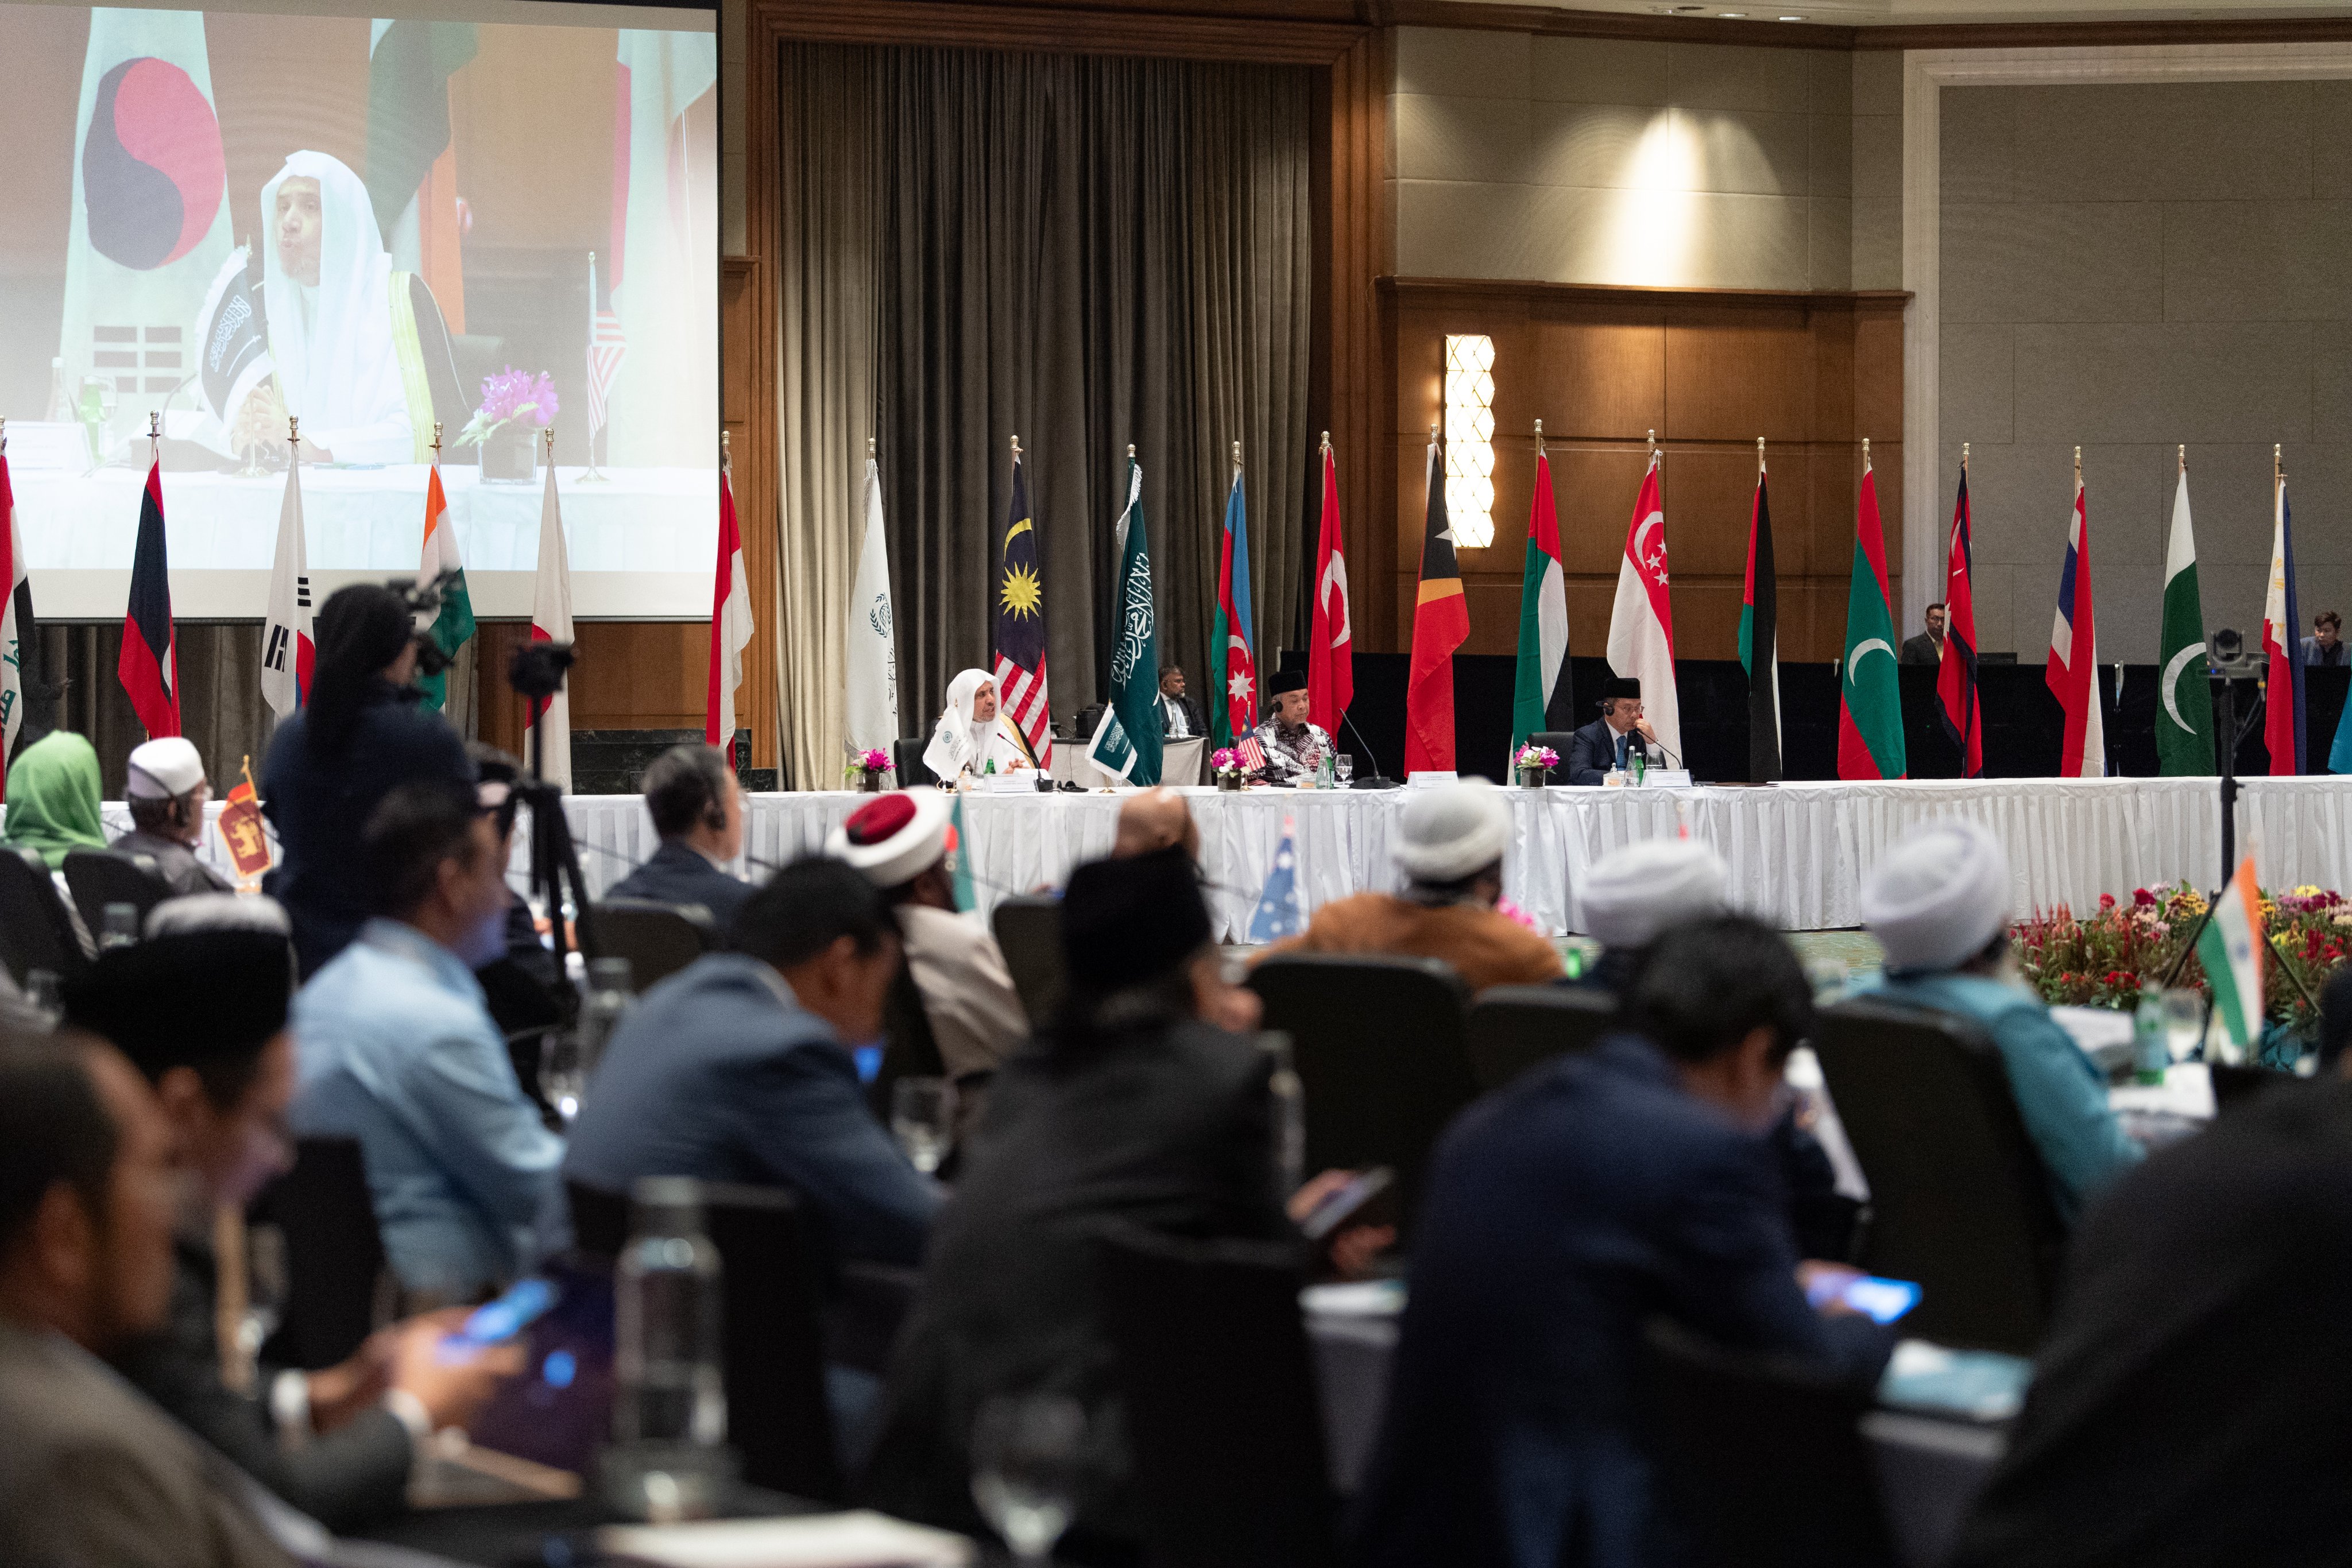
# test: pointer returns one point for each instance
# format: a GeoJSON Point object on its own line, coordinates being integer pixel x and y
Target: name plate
{"type": "Point", "coordinates": [1665, 778]}
{"type": "Point", "coordinates": [48, 445]}
{"type": "Point", "coordinates": [1023, 781]}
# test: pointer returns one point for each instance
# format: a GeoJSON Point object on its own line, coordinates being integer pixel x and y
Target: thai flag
{"type": "Point", "coordinates": [2073, 671]}
{"type": "Point", "coordinates": [1279, 913]}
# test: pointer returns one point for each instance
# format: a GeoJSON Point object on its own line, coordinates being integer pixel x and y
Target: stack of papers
{"type": "Point", "coordinates": [858, 1539]}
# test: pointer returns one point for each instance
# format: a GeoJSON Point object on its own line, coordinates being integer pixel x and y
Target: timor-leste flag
{"type": "Point", "coordinates": [150, 665]}
{"type": "Point", "coordinates": [1759, 639]}
{"type": "Point", "coordinates": [1440, 624]}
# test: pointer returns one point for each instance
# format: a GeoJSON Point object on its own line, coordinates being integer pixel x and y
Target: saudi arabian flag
{"type": "Point", "coordinates": [2231, 949]}
{"type": "Point", "coordinates": [455, 622]}
{"type": "Point", "coordinates": [2184, 720]}
{"type": "Point", "coordinates": [1125, 745]}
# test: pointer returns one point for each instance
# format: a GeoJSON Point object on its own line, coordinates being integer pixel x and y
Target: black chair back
{"type": "Point", "coordinates": [1760, 1458]}
{"type": "Point", "coordinates": [1028, 928]}
{"type": "Point", "coordinates": [909, 755]}
{"type": "Point", "coordinates": [1959, 1200]}
{"type": "Point", "coordinates": [773, 1332]}
{"type": "Point", "coordinates": [35, 931]}
{"type": "Point", "coordinates": [100, 877]}
{"type": "Point", "coordinates": [1512, 1028]}
{"type": "Point", "coordinates": [910, 1048]}
{"type": "Point", "coordinates": [1378, 1046]}
{"type": "Point", "coordinates": [1222, 1412]}
{"type": "Point", "coordinates": [1557, 741]}
{"type": "Point", "coordinates": [334, 1255]}
{"type": "Point", "coordinates": [657, 939]}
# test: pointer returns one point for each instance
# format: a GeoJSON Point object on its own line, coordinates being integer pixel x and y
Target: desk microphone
{"type": "Point", "coordinates": [1377, 780]}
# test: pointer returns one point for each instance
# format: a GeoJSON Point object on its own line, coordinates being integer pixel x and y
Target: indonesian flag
{"type": "Point", "coordinates": [288, 652]}
{"type": "Point", "coordinates": [1331, 644]}
{"type": "Point", "coordinates": [2282, 717]}
{"type": "Point", "coordinates": [551, 621]}
{"type": "Point", "coordinates": [1641, 622]}
{"type": "Point", "coordinates": [730, 624]}
{"type": "Point", "coordinates": [2073, 671]}
{"type": "Point", "coordinates": [16, 620]}
{"type": "Point", "coordinates": [149, 667]}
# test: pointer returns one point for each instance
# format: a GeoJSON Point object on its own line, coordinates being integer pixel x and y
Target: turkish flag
{"type": "Point", "coordinates": [1330, 659]}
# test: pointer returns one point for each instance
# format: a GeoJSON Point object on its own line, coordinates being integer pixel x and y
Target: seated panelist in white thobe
{"type": "Point", "coordinates": [973, 733]}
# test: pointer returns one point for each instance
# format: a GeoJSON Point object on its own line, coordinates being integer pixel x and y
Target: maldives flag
{"type": "Point", "coordinates": [1759, 638]}
{"type": "Point", "coordinates": [1641, 621]}
{"type": "Point", "coordinates": [731, 625]}
{"type": "Point", "coordinates": [1870, 698]}
{"type": "Point", "coordinates": [1232, 668]}
{"type": "Point", "coordinates": [2283, 718]}
{"type": "Point", "coordinates": [1544, 696]}
{"type": "Point", "coordinates": [1956, 676]}
{"type": "Point", "coordinates": [1331, 645]}
{"type": "Point", "coordinates": [1440, 624]}
{"type": "Point", "coordinates": [150, 665]}
{"type": "Point", "coordinates": [2073, 671]}
{"type": "Point", "coordinates": [551, 621]}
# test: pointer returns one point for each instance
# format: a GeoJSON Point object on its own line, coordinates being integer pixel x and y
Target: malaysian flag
{"type": "Point", "coordinates": [1252, 754]}
{"type": "Point", "coordinates": [607, 344]}
{"type": "Point", "coordinates": [1021, 625]}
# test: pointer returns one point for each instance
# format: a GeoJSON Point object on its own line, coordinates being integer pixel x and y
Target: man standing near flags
{"type": "Point", "coordinates": [2073, 671]}
{"type": "Point", "coordinates": [1021, 688]}
{"type": "Point", "coordinates": [1870, 697]}
{"type": "Point", "coordinates": [1543, 692]}
{"type": "Point", "coordinates": [2283, 718]}
{"type": "Point", "coordinates": [1440, 624]}
{"type": "Point", "coordinates": [2184, 714]}
{"type": "Point", "coordinates": [1233, 665]}
{"type": "Point", "coordinates": [1641, 621]}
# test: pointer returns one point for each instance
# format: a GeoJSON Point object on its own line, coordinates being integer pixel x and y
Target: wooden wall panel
{"type": "Point", "coordinates": [632, 674]}
{"type": "Point", "coordinates": [1709, 369]}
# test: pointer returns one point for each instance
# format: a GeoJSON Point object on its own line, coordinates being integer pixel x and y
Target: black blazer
{"type": "Point", "coordinates": [1199, 726]}
{"type": "Point", "coordinates": [1922, 650]}
{"type": "Point", "coordinates": [1169, 1128]}
{"type": "Point", "coordinates": [1592, 751]}
{"type": "Point", "coordinates": [677, 873]}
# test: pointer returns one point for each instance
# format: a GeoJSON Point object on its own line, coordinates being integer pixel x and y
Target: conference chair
{"type": "Point", "coordinates": [1959, 1200]}
{"type": "Point", "coordinates": [909, 755]}
{"type": "Point", "coordinates": [1221, 1413]}
{"type": "Point", "coordinates": [657, 939]}
{"type": "Point", "coordinates": [771, 1335]}
{"type": "Point", "coordinates": [1028, 929]}
{"type": "Point", "coordinates": [1761, 1458]}
{"type": "Point", "coordinates": [910, 1048]}
{"type": "Point", "coordinates": [100, 877]}
{"type": "Point", "coordinates": [334, 1255]}
{"type": "Point", "coordinates": [36, 932]}
{"type": "Point", "coordinates": [1377, 1042]}
{"type": "Point", "coordinates": [1557, 741]}
{"type": "Point", "coordinates": [1513, 1027]}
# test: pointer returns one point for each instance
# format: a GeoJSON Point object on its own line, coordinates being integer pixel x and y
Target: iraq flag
{"type": "Point", "coordinates": [1126, 742]}
{"type": "Point", "coordinates": [149, 667]}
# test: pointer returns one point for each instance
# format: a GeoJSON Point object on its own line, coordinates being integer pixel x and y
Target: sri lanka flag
{"type": "Point", "coordinates": [2073, 670]}
{"type": "Point", "coordinates": [150, 665]}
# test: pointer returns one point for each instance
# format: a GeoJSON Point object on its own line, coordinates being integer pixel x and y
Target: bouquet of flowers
{"type": "Point", "coordinates": [1225, 762]}
{"type": "Point", "coordinates": [1536, 756]}
{"type": "Point", "coordinates": [871, 761]}
{"type": "Point", "coordinates": [512, 397]}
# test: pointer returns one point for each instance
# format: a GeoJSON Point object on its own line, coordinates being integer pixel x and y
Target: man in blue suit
{"type": "Point", "coordinates": [1608, 742]}
{"type": "Point", "coordinates": [697, 808]}
{"type": "Point", "coordinates": [1593, 1194]}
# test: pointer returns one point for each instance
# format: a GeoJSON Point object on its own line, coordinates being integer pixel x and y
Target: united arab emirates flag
{"type": "Point", "coordinates": [2184, 693]}
{"type": "Point", "coordinates": [1760, 640]}
{"type": "Point", "coordinates": [1870, 699]}
{"type": "Point", "coordinates": [1544, 696]}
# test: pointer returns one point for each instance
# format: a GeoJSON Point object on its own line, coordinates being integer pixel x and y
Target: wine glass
{"type": "Point", "coordinates": [922, 1116]}
{"type": "Point", "coordinates": [1345, 766]}
{"type": "Point", "coordinates": [1028, 1457]}
{"type": "Point", "coordinates": [2184, 1021]}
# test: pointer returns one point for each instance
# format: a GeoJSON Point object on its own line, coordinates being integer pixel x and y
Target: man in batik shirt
{"type": "Point", "coordinates": [1294, 747]}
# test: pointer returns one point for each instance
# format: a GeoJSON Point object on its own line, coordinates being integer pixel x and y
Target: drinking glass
{"type": "Point", "coordinates": [2184, 1021]}
{"type": "Point", "coordinates": [120, 927]}
{"type": "Point", "coordinates": [562, 1077]}
{"type": "Point", "coordinates": [1345, 765]}
{"type": "Point", "coordinates": [923, 1118]}
{"type": "Point", "coordinates": [46, 995]}
{"type": "Point", "coordinates": [1028, 1458]}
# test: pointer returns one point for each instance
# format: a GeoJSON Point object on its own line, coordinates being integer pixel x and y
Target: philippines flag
{"type": "Point", "coordinates": [551, 621]}
{"type": "Point", "coordinates": [730, 624]}
{"type": "Point", "coordinates": [1331, 639]}
{"type": "Point", "coordinates": [2073, 671]}
{"type": "Point", "coordinates": [150, 665]}
{"type": "Point", "coordinates": [1641, 621]}
{"type": "Point", "coordinates": [2283, 718]}
{"type": "Point", "coordinates": [1956, 676]}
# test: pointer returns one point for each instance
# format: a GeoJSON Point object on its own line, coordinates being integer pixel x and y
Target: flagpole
{"type": "Point", "coordinates": [592, 475]}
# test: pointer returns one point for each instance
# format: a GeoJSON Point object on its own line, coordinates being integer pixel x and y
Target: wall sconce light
{"type": "Point", "coordinates": [1470, 440]}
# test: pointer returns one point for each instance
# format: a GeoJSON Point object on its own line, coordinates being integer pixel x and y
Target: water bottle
{"type": "Point", "coordinates": [1289, 1113]}
{"type": "Point", "coordinates": [120, 927]}
{"type": "Point", "coordinates": [2150, 1055]}
{"type": "Point", "coordinates": [1638, 756]}
{"type": "Point", "coordinates": [607, 1002]}
{"type": "Point", "coordinates": [669, 1458]}
{"type": "Point", "coordinates": [61, 409]}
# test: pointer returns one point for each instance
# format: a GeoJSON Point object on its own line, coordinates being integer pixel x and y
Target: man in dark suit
{"type": "Point", "coordinates": [2188, 1400]}
{"type": "Point", "coordinates": [2325, 647]}
{"type": "Point", "coordinates": [697, 808]}
{"type": "Point", "coordinates": [737, 1069]}
{"type": "Point", "coordinates": [1927, 648]}
{"type": "Point", "coordinates": [1179, 715]}
{"type": "Point", "coordinates": [1607, 744]}
{"type": "Point", "coordinates": [1561, 1213]}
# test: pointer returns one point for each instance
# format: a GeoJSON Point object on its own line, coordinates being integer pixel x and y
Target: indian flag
{"type": "Point", "coordinates": [2231, 948]}
{"type": "Point", "coordinates": [454, 624]}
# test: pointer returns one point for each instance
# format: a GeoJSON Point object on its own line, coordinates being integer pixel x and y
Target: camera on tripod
{"type": "Point", "coordinates": [2230, 660]}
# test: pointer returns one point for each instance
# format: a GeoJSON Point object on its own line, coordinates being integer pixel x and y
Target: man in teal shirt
{"type": "Point", "coordinates": [1939, 903]}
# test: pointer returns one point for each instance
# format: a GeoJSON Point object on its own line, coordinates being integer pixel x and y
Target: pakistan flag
{"type": "Point", "coordinates": [1126, 742]}
{"type": "Point", "coordinates": [2184, 720]}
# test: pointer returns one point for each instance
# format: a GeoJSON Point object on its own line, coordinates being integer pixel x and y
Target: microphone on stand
{"type": "Point", "coordinates": [1379, 780]}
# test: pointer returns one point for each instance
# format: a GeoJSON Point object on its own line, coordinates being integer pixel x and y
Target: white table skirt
{"type": "Point", "coordinates": [1797, 851]}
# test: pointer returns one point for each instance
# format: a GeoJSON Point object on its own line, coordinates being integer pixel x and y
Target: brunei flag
{"type": "Point", "coordinates": [1760, 639]}
{"type": "Point", "coordinates": [1440, 624]}
{"type": "Point", "coordinates": [150, 665]}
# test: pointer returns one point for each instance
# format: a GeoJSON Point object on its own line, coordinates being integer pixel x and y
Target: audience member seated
{"type": "Point", "coordinates": [359, 734]}
{"type": "Point", "coordinates": [899, 842]}
{"type": "Point", "coordinates": [166, 783]}
{"type": "Point", "coordinates": [1155, 818]}
{"type": "Point", "coordinates": [738, 1069]}
{"type": "Point", "coordinates": [1939, 904]}
{"type": "Point", "coordinates": [90, 1471]}
{"type": "Point", "coordinates": [53, 791]}
{"type": "Point", "coordinates": [1146, 1104]}
{"type": "Point", "coordinates": [1634, 895]}
{"type": "Point", "coordinates": [395, 1049]}
{"type": "Point", "coordinates": [1450, 843]}
{"type": "Point", "coordinates": [337, 1443]}
{"type": "Point", "coordinates": [2188, 1400]}
{"type": "Point", "coordinates": [697, 808]}
{"type": "Point", "coordinates": [1562, 1212]}
{"type": "Point", "coordinates": [1610, 743]}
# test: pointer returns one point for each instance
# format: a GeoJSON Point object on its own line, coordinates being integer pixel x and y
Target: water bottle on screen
{"type": "Point", "coordinates": [1028, 1463]}
{"type": "Point", "coordinates": [669, 1458]}
{"type": "Point", "coordinates": [2150, 1056]}
{"type": "Point", "coordinates": [120, 927]}
{"type": "Point", "coordinates": [61, 399]}
{"type": "Point", "coordinates": [922, 1119]}
{"type": "Point", "coordinates": [1289, 1113]}
{"type": "Point", "coordinates": [607, 1002]}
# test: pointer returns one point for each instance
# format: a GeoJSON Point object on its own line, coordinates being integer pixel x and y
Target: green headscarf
{"type": "Point", "coordinates": [53, 798]}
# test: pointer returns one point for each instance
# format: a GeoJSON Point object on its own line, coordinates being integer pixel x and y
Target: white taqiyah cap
{"type": "Point", "coordinates": [1633, 894]}
{"type": "Point", "coordinates": [1450, 830]}
{"type": "Point", "coordinates": [893, 837]}
{"type": "Point", "coordinates": [1938, 897]}
{"type": "Point", "coordinates": [164, 769]}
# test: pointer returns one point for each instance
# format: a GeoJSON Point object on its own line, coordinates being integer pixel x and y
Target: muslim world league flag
{"type": "Point", "coordinates": [2184, 718]}
{"type": "Point", "coordinates": [1127, 743]}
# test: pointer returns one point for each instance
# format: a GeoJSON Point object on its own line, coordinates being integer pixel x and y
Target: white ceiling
{"type": "Point", "coordinates": [1880, 13]}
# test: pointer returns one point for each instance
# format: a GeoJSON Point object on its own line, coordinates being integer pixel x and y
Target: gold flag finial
{"type": "Point", "coordinates": [2277, 471]}
{"type": "Point", "coordinates": [294, 430]}
{"type": "Point", "coordinates": [1130, 451]}
{"type": "Point", "coordinates": [155, 426]}
{"type": "Point", "coordinates": [1865, 455]}
{"type": "Point", "coordinates": [1759, 454]}
{"type": "Point", "coordinates": [549, 434]}
{"type": "Point", "coordinates": [436, 441]}
{"type": "Point", "coordinates": [1237, 454]}
{"type": "Point", "coordinates": [1964, 456]}
{"type": "Point", "coordinates": [1327, 442]}
{"type": "Point", "coordinates": [1540, 440]}
{"type": "Point", "coordinates": [869, 445]}
{"type": "Point", "coordinates": [1017, 449]}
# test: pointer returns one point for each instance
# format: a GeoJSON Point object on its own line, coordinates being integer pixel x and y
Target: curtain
{"type": "Point", "coordinates": [1087, 253]}
{"type": "Point", "coordinates": [221, 708]}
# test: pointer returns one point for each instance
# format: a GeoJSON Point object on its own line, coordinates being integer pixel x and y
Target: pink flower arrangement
{"type": "Point", "coordinates": [1225, 759]}
{"type": "Point", "coordinates": [509, 397]}
{"type": "Point", "coordinates": [1536, 756]}
{"type": "Point", "coordinates": [873, 761]}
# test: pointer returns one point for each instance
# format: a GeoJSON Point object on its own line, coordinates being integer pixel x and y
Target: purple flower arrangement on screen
{"type": "Point", "coordinates": [512, 397]}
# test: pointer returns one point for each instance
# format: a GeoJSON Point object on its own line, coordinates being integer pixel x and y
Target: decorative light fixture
{"type": "Point", "coordinates": [1470, 440]}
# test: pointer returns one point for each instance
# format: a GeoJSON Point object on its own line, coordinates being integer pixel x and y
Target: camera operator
{"type": "Point", "coordinates": [359, 734]}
